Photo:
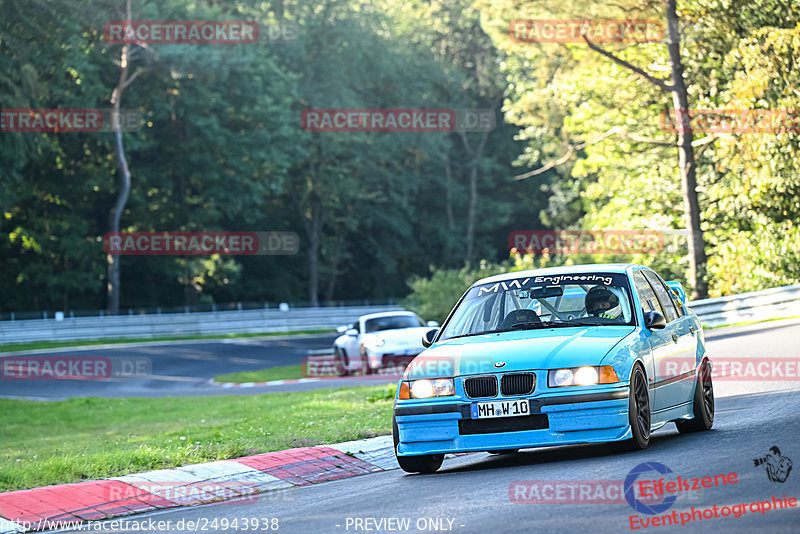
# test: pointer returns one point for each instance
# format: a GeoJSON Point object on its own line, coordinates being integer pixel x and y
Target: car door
{"type": "Point", "coordinates": [661, 342]}
{"type": "Point", "coordinates": [677, 373]}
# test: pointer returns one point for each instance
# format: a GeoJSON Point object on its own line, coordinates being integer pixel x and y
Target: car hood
{"type": "Point", "coordinates": [550, 348]}
{"type": "Point", "coordinates": [398, 337]}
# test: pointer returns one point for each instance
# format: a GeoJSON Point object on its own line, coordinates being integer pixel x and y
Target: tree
{"type": "Point", "coordinates": [125, 80]}
{"type": "Point", "coordinates": [686, 159]}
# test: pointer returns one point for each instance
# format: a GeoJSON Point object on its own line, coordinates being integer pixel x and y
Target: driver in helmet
{"type": "Point", "coordinates": [601, 302]}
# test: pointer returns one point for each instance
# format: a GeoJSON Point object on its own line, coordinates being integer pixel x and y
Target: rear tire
{"type": "Point", "coordinates": [424, 463]}
{"type": "Point", "coordinates": [638, 413]}
{"type": "Point", "coordinates": [703, 404]}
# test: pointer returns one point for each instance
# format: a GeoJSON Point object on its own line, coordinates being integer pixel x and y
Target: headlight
{"type": "Point", "coordinates": [581, 376]}
{"type": "Point", "coordinates": [425, 389]}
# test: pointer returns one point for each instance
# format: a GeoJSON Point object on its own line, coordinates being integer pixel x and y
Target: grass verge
{"type": "Point", "coordinates": [286, 372]}
{"type": "Point", "coordinates": [34, 345]}
{"type": "Point", "coordinates": [46, 443]}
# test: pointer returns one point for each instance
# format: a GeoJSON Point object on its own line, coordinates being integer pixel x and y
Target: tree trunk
{"type": "Point", "coordinates": [476, 154]}
{"type": "Point", "coordinates": [686, 161]}
{"type": "Point", "coordinates": [473, 203]}
{"type": "Point", "coordinates": [113, 286]}
{"type": "Point", "coordinates": [315, 226]}
{"type": "Point", "coordinates": [448, 185]}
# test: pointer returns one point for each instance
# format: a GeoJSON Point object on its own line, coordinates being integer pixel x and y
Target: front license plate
{"type": "Point", "coordinates": [486, 410]}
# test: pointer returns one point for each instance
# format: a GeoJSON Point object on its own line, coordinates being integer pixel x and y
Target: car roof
{"type": "Point", "coordinates": [621, 268]}
{"type": "Point", "coordinates": [385, 314]}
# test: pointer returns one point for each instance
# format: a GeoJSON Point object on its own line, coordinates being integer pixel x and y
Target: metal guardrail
{"type": "Point", "coordinates": [766, 304]}
{"type": "Point", "coordinates": [770, 303]}
{"type": "Point", "coordinates": [166, 325]}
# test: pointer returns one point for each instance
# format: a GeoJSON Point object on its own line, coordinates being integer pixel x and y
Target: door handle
{"type": "Point", "coordinates": [691, 329]}
{"type": "Point", "coordinates": [675, 338]}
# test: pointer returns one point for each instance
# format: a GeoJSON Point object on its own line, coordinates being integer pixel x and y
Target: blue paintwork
{"type": "Point", "coordinates": [541, 350]}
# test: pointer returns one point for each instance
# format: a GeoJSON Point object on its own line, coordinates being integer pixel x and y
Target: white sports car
{"type": "Point", "coordinates": [378, 339]}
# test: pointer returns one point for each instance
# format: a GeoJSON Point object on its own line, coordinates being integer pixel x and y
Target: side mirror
{"type": "Point", "coordinates": [341, 329]}
{"type": "Point", "coordinates": [677, 288]}
{"type": "Point", "coordinates": [351, 332]}
{"type": "Point", "coordinates": [432, 324]}
{"type": "Point", "coordinates": [429, 336]}
{"type": "Point", "coordinates": [654, 320]}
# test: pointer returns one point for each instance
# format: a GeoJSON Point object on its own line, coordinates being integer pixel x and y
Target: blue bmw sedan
{"type": "Point", "coordinates": [579, 354]}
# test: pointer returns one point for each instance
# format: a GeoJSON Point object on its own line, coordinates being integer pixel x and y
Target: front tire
{"type": "Point", "coordinates": [703, 403]}
{"type": "Point", "coordinates": [424, 463]}
{"type": "Point", "coordinates": [341, 364]}
{"type": "Point", "coordinates": [638, 413]}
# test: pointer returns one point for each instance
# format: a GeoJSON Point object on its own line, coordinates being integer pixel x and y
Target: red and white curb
{"type": "Point", "coordinates": [228, 385]}
{"type": "Point", "coordinates": [237, 481]}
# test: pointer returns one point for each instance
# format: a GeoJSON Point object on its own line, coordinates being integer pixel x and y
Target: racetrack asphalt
{"type": "Point", "coordinates": [481, 493]}
{"type": "Point", "coordinates": [185, 368]}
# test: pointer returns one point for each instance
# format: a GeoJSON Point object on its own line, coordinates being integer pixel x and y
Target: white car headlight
{"type": "Point", "coordinates": [582, 376]}
{"type": "Point", "coordinates": [585, 376]}
{"type": "Point", "coordinates": [561, 377]}
{"type": "Point", "coordinates": [439, 387]}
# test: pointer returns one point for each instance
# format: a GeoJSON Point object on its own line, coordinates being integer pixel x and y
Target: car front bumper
{"type": "Point", "coordinates": [446, 426]}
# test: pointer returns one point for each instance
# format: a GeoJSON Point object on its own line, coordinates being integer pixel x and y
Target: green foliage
{"type": "Point", "coordinates": [90, 438]}
{"type": "Point", "coordinates": [434, 297]}
{"type": "Point", "coordinates": [222, 147]}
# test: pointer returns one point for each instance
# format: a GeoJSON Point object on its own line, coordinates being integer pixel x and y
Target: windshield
{"type": "Point", "coordinates": [563, 300]}
{"type": "Point", "coordinates": [392, 322]}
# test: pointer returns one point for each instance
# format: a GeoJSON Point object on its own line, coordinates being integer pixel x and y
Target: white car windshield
{"type": "Point", "coordinates": [391, 322]}
{"type": "Point", "coordinates": [563, 300]}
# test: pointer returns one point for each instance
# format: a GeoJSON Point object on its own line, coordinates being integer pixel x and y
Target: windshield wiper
{"type": "Point", "coordinates": [475, 334]}
{"type": "Point", "coordinates": [549, 324]}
